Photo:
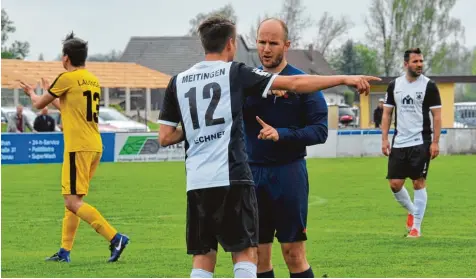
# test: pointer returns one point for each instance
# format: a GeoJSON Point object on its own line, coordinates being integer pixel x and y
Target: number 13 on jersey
{"type": "Point", "coordinates": [90, 98]}
{"type": "Point", "coordinates": [212, 90]}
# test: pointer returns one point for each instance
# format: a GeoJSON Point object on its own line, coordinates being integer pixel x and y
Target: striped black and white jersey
{"type": "Point", "coordinates": [412, 102]}
{"type": "Point", "coordinates": [207, 100]}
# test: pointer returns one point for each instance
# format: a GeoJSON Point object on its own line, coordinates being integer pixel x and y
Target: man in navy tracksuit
{"type": "Point", "coordinates": [277, 133]}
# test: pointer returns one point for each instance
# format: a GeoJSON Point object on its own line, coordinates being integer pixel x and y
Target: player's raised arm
{"type": "Point", "coordinates": [38, 102]}
{"type": "Point", "coordinates": [312, 83]}
{"type": "Point", "coordinates": [256, 81]}
{"type": "Point", "coordinates": [45, 84]}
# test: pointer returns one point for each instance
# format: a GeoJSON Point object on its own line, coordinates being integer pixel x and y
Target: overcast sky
{"type": "Point", "coordinates": [108, 24]}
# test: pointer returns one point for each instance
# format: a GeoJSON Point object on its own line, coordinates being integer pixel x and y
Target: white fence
{"type": "Point", "coordinates": [43, 148]}
{"type": "Point", "coordinates": [143, 147]}
{"type": "Point", "coordinates": [367, 143]}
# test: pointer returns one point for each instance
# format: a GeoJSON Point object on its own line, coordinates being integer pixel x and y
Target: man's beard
{"type": "Point", "coordinates": [275, 63]}
{"type": "Point", "coordinates": [413, 73]}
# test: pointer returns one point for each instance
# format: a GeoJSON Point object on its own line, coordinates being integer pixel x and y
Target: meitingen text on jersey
{"type": "Point", "coordinates": [202, 76]}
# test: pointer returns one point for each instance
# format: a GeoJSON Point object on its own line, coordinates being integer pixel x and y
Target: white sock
{"type": "Point", "coordinates": [245, 270]}
{"type": "Point", "coordinates": [420, 206]}
{"type": "Point", "coordinates": [200, 273]}
{"type": "Point", "coordinates": [403, 198]}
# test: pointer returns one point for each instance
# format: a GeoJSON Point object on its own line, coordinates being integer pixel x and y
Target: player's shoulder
{"type": "Point", "coordinates": [427, 80]}
{"type": "Point", "coordinates": [293, 70]}
{"type": "Point", "coordinates": [241, 66]}
{"type": "Point", "coordinates": [397, 80]}
{"type": "Point", "coordinates": [62, 76]}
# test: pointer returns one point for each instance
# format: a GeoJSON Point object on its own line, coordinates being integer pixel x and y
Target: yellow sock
{"type": "Point", "coordinates": [95, 219]}
{"type": "Point", "coordinates": [70, 226]}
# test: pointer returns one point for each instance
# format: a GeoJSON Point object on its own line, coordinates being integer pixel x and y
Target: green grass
{"type": "Point", "coordinates": [355, 227]}
{"type": "Point", "coordinates": [153, 126]}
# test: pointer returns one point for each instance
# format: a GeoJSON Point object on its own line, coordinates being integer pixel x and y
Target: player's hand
{"type": "Point", "coordinates": [385, 147]}
{"type": "Point", "coordinates": [45, 84]}
{"type": "Point", "coordinates": [279, 93]}
{"type": "Point", "coordinates": [268, 132]}
{"type": "Point", "coordinates": [361, 83]}
{"type": "Point", "coordinates": [28, 89]}
{"type": "Point", "coordinates": [434, 150]}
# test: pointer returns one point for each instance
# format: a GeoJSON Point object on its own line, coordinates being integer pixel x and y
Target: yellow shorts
{"type": "Point", "coordinates": [78, 170]}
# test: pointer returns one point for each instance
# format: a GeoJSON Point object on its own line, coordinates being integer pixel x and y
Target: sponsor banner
{"type": "Point", "coordinates": [44, 148]}
{"type": "Point", "coordinates": [144, 147]}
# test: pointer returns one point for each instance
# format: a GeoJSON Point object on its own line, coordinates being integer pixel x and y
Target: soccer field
{"type": "Point", "coordinates": [355, 227]}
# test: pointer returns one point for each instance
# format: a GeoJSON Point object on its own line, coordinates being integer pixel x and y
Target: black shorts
{"type": "Point", "coordinates": [409, 162]}
{"type": "Point", "coordinates": [225, 215]}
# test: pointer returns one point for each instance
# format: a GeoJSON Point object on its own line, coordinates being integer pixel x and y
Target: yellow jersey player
{"type": "Point", "coordinates": [79, 93]}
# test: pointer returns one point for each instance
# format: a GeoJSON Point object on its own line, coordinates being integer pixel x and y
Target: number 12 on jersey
{"type": "Point", "coordinates": [215, 99]}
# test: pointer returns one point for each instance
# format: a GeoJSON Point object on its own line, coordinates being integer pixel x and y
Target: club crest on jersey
{"type": "Point", "coordinates": [419, 95]}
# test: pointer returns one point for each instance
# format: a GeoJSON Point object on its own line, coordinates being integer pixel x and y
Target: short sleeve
{"type": "Point", "coordinates": [389, 96]}
{"type": "Point", "coordinates": [170, 112]}
{"type": "Point", "coordinates": [60, 86]}
{"type": "Point", "coordinates": [254, 80]}
{"type": "Point", "coordinates": [432, 96]}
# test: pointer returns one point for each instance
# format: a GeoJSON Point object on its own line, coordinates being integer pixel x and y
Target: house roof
{"type": "Point", "coordinates": [173, 55]}
{"type": "Point", "coordinates": [110, 74]}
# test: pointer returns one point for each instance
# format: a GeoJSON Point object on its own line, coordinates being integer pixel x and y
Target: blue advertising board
{"type": "Point", "coordinates": [43, 148]}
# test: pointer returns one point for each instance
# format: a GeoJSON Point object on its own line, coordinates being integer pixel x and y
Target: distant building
{"type": "Point", "coordinates": [172, 55]}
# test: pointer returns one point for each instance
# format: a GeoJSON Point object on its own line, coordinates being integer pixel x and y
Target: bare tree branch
{"type": "Point", "coordinates": [396, 25]}
{"type": "Point", "coordinates": [293, 12]}
{"type": "Point", "coordinates": [226, 11]}
{"type": "Point", "coordinates": [328, 30]}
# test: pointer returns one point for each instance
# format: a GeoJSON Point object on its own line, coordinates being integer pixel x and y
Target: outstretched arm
{"type": "Point", "coordinates": [256, 81]}
{"type": "Point", "coordinates": [312, 83]}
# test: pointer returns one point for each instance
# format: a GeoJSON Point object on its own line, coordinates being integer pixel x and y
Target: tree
{"type": "Point", "coordinates": [253, 33]}
{"type": "Point", "coordinates": [293, 14]}
{"type": "Point", "coordinates": [18, 50]}
{"type": "Point", "coordinates": [349, 97]}
{"type": "Point", "coordinates": [457, 61]}
{"type": "Point", "coordinates": [355, 58]}
{"type": "Point", "coordinates": [349, 63]}
{"type": "Point", "coordinates": [7, 27]}
{"type": "Point", "coordinates": [112, 56]}
{"type": "Point", "coordinates": [469, 93]}
{"type": "Point", "coordinates": [368, 59]}
{"type": "Point", "coordinates": [328, 30]}
{"type": "Point", "coordinates": [40, 57]}
{"type": "Point", "coordinates": [396, 25]}
{"type": "Point", "coordinates": [382, 32]}
{"type": "Point", "coordinates": [225, 11]}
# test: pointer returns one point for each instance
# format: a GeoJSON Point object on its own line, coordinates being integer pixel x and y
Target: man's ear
{"type": "Point", "coordinates": [287, 45]}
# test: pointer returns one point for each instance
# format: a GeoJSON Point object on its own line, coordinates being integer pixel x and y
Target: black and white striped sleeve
{"type": "Point", "coordinates": [170, 112]}
{"type": "Point", "coordinates": [389, 96]}
{"type": "Point", "coordinates": [254, 81]}
{"type": "Point", "coordinates": [432, 96]}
